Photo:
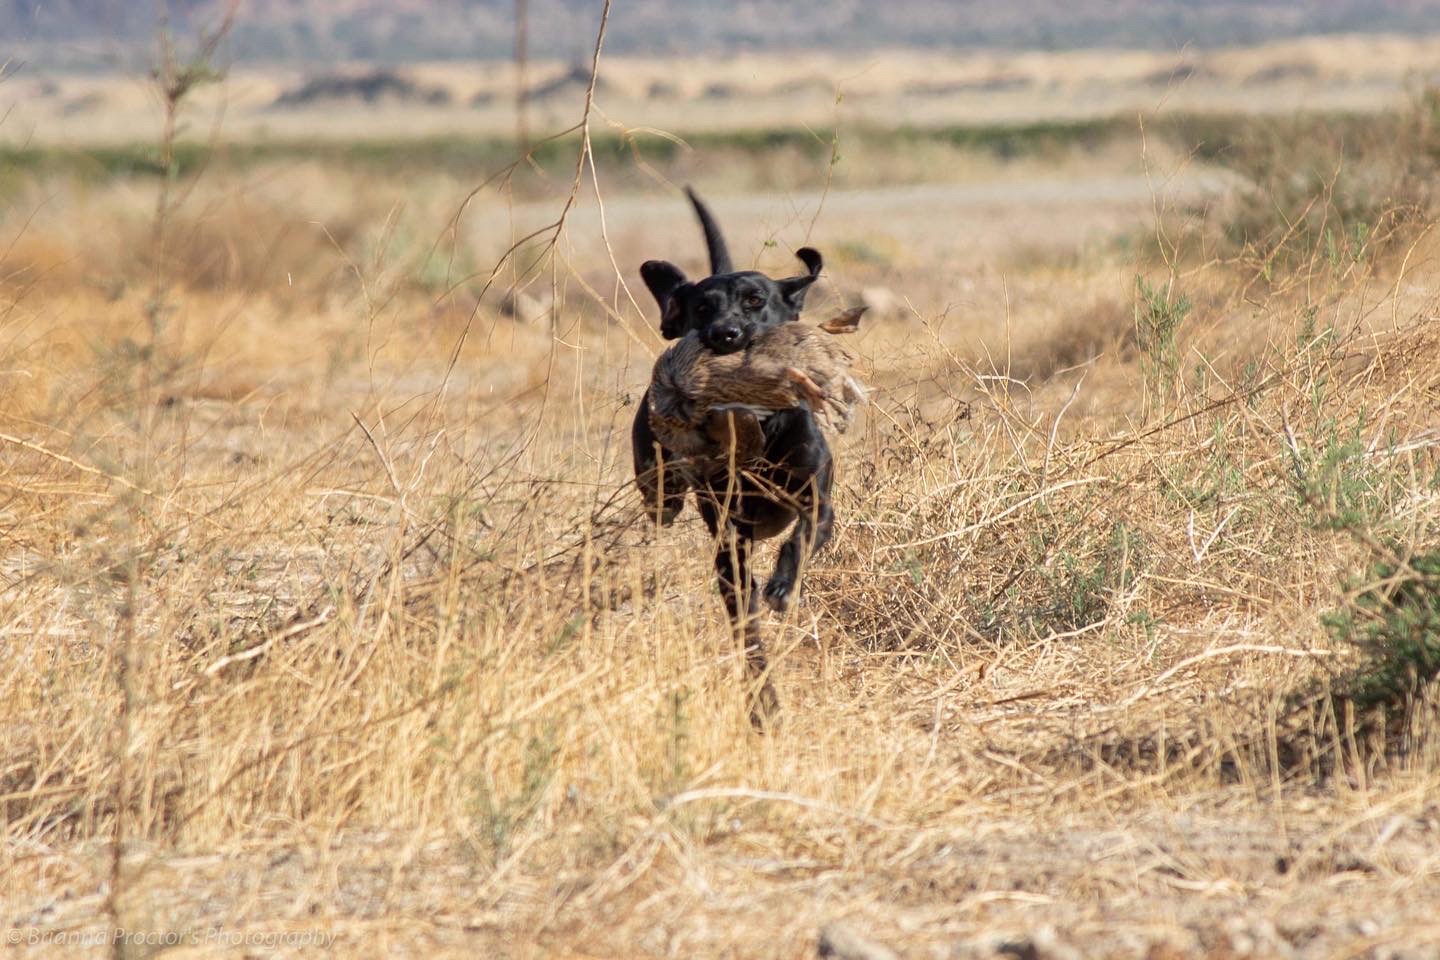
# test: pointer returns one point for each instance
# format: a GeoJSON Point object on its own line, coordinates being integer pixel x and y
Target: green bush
{"type": "Point", "coordinates": [1395, 623]}
{"type": "Point", "coordinates": [1160, 311]}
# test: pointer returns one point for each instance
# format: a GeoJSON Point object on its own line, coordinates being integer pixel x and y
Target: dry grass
{"type": "Point", "coordinates": [408, 668]}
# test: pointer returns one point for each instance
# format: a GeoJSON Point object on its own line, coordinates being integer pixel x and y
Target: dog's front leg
{"type": "Point", "coordinates": [737, 589]}
{"type": "Point", "coordinates": [814, 525]}
{"type": "Point", "coordinates": [805, 470]}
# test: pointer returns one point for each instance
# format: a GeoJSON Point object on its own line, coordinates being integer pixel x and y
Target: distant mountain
{"type": "Point", "coordinates": [406, 30]}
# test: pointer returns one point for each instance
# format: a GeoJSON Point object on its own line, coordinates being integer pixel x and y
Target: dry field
{"type": "Point", "coordinates": [328, 616]}
{"type": "Point", "coordinates": [880, 88]}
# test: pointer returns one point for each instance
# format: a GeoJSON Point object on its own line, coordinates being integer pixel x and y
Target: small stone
{"type": "Point", "coordinates": [523, 307]}
{"type": "Point", "coordinates": [1043, 944]}
{"type": "Point", "coordinates": [842, 943]}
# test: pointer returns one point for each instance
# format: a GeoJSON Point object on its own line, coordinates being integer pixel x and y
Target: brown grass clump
{"type": "Point", "coordinates": [1323, 193]}
{"type": "Point", "coordinates": [1105, 328]}
{"type": "Point", "coordinates": [345, 611]}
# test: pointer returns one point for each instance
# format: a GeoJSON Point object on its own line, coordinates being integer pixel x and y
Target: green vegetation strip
{"type": "Point", "coordinates": [1211, 136]}
{"type": "Point", "coordinates": [468, 154]}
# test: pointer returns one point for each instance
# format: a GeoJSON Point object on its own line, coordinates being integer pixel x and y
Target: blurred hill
{"type": "Point", "coordinates": [92, 32]}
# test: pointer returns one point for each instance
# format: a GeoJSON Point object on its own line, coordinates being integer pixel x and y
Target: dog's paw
{"type": "Point", "coordinates": [765, 709]}
{"type": "Point", "coordinates": [779, 595]}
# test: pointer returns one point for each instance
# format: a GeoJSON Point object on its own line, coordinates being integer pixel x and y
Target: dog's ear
{"type": "Point", "coordinates": [672, 322]}
{"type": "Point", "coordinates": [793, 289]}
{"type": "Point", "coordinates": [664, 279]}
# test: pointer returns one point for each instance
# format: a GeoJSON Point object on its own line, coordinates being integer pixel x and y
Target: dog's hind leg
{"type": "Point", "coordinates": [737, 588]}
{"type": "Point", "coordinates": [805, 467]}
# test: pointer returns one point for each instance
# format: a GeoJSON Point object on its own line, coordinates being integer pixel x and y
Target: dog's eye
{"type": "Point", "coordinates": [702, 309]}
{"type": "Point", "coordinates": [754, 301]}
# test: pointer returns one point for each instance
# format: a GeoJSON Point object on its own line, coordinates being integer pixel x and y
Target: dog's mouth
{"type": "Point", "coordinates": [726, 339]}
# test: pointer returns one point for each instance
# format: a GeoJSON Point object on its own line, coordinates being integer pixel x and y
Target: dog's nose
{"type": "Point", "coordinates": [725, 335]}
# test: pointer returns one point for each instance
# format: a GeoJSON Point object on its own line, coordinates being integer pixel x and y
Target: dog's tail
{"type": "Point", "coordinates": [714, 242]}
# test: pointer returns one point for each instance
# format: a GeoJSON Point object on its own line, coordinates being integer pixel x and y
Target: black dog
{"type": "Point", "coordinates": [788, 483]}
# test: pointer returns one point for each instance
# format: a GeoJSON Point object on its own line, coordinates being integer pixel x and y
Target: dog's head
{"type": "Point", "coordinates": [728, 309]}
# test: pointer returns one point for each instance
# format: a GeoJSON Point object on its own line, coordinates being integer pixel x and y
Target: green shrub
{"type": "Point", "coordinates": [1079, 589]}
{"type": "Point", "coordinates": [1395, 623]}
{"type": "Point", "coordinates": [1336, 483]}
{"type": "Point", "coordinates": [1160, 311]}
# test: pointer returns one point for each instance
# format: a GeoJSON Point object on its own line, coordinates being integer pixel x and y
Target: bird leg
{"type": "Point", "coordinates": [812, 390]}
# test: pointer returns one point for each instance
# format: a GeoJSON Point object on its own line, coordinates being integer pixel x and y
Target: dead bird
{"type": "Point", "coordinates": [693, 389]}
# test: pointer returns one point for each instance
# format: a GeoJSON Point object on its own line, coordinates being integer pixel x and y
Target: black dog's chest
{"type": "Point", "coordinates": [750, 505]}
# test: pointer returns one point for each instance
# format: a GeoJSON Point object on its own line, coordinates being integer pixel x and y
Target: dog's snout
{"type": "Point", "coordinates": [725, 336]}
